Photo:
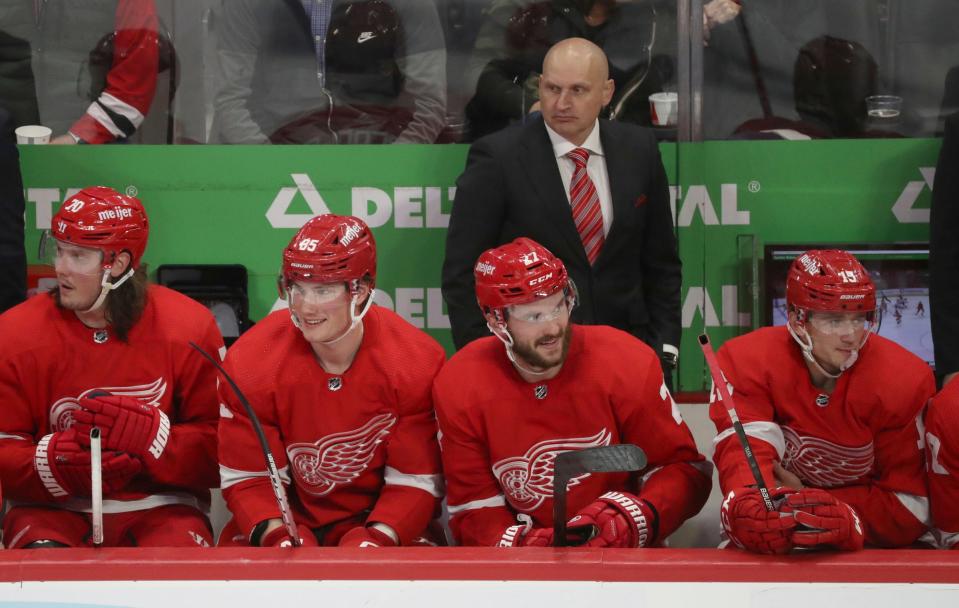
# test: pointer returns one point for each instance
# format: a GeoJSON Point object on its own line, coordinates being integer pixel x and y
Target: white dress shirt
{"type": "Point", "coordinates": [595, 167]}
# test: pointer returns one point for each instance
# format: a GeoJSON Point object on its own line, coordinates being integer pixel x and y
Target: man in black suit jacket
{"type": "Point", "coordinates": [13, 258]}
{"type": "Point", "coordinates": [944, 254]}
{"type": "Point", "coordinates": [516, 184]}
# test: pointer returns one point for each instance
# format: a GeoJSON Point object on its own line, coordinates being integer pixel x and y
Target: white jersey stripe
{"type": "Point", "coordinates": [493, 501]}
{"type": "Point", "coordinates": [230, 477]}
{"type": "Point", "coordinates": [8, 436]}
{"type": "Point", "coordinates": [82, 505]}
{"type": "Point", "coordinates": [433, 484]}
{"type": "Point", "coordinates": [118, 106]}
{"type": "Point", "coordinates": [770, 432]}
{"type": "Point", "coordinates": [917, 505]}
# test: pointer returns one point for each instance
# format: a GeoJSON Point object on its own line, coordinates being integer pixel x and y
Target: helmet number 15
{"type": "Point", "coordinates": [847, 276]}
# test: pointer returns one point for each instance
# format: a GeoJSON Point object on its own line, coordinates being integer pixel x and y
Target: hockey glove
{"type": "Point", "coordinates": [750, 526]}
{"type": "Point", "coordinates": [366, 536]}
{"type": "Point", "coordinates": [126, 424]}
{"type": "Point", "coordinates": [615, 519]}
{"type": "Point", "coordinates": [279, 537]}
{"type": "Point", "coordinates": [826, 520]}
{"type": "Point", "coordinates": [524, 534]}
{"type": "Point", "coordinates": [65, 468]}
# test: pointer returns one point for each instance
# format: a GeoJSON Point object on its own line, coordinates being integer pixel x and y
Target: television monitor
{"type": "Point", "coordinates": [900, 272]}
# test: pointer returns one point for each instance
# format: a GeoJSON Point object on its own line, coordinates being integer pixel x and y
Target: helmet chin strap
{"type": "Point", "coordinates": [355, 318]}
{"type": "Point", "coordinates": [106, 287]}
{"type": "Point", "coordinates": [507, 340]}
{"type": "Point", "coordinates": [807, 345]}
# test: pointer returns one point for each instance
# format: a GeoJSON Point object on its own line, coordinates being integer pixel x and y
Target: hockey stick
{"type": "Point", "coordinates": [719, 381]}
{"type": "Point", "coordinates": [96, 487]}
{"type": "Point", "coordinates": [620, 458]}
{"type": "Point", "coordinates": [754, 65]}
{"type": "Point", "coordinates": [285, 514]}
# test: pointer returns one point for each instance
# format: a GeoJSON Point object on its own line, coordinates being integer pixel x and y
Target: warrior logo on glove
{"type": "Point", "coordinates": [61, 412]}
{"type": "Point", "coordinates": [339, 458]}
{"type": "Point", "coordinates": [528, 479]}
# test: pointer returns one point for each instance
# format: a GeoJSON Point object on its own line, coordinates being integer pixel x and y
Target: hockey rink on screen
{"type": "Point", "coordinates": [911, 330]}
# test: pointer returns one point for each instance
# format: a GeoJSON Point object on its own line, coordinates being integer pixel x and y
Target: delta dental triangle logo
{"type": "Point", "coordinates": [277, 213]}
{"type": "Point", "coordinates": [905, 206]}
{"type": "Point", "coordinates": [403, 206]}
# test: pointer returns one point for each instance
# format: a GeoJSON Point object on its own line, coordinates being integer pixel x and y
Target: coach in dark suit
{"type": "Point", "coordinates": [944, 254]}
{"type": "Point", "coordinates": [13, 257]}
{"type": "Point", "coordinates": [517, 183]}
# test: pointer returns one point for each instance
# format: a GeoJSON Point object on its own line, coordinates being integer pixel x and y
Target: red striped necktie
{"type": "Point", "coordinates": [584, 199]}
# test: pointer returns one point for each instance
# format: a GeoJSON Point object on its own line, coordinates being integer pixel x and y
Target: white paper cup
{"type": "Point", "coordinates": [33, 134]}
{"type": "Point", "coordinates": [664, 109]}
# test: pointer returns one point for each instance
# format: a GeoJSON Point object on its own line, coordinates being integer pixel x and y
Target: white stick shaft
{"type": "Point", "coordinates": [96, 486]}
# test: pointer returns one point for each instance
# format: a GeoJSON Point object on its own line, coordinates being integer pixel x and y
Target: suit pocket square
{"type": "Point", "coordinates": [640, 201]}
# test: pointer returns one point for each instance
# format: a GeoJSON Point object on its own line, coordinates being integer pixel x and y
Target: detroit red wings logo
{"type": "Point", "coordinates": [824, 464]}
{"type": "Point", "coordinates": [527, 480]}
{"type": "Point", "coordinates": [339, 458]}
{"type": "Point", "coordinates": [61, 412]}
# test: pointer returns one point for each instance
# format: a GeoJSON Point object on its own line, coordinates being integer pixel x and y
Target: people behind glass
{"type": "Point", "coordinates": [832, 80]}
{"type": "Point", "coordinates": [306, 71]}
{"type": "Point", "coordinates": [516, 35]}
{"type": "Point", "coordinates": [92, 66]}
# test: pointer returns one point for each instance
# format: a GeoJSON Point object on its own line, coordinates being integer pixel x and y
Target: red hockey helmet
{"type": "Point", "coordinates": [829, 280]}
{"type": "Point", "coordinates": [331, 248]}
{"type": "Point", "coordinates": [101, 218]}
{"type": "Point", "coordinates": [517, 273]}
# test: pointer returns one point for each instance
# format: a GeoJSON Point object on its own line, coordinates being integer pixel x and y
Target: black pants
{"type": "Point", "coordinates": [13, 258]}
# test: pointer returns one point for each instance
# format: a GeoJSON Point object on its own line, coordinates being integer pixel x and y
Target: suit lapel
{"type": "Point", "coordinates": [539, 164]}
{"type": "Point", "coordinates": [618, 167]}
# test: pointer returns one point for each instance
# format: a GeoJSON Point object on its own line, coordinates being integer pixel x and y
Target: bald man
{"type": "Point", "coordinates": [592, 191]}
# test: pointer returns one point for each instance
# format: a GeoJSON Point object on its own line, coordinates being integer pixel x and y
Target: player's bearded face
{"type": "Point", "coordinates": [541, 331]}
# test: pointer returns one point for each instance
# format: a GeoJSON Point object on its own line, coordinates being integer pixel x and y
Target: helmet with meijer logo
{"type": "Point", "coordinates": [331, 248]}
{"type": "Point", "coordinates": [829, 280]}
{"type": "Point", "coordinates": [517, 273]}
{"type": "Point", "coordinates": [101, 218]}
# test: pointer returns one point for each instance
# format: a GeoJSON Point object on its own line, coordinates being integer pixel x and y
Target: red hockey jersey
{"type": "Point", "coordinates": [500, 434]}
{"type": "Point", "coordinates": [49, 360]}
{"type": "Point", "coordinates": [942, 453]}
{"type": "Point", "coordinates": [354, 443]}
{"type": "Point", "coordinates": [862, 442]}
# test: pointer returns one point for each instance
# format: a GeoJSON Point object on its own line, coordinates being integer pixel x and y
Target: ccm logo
{"type": "Point", "coordinates": [539, 280]}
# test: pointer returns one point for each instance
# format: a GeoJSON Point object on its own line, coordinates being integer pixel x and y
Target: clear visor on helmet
{"type": "Point", "coordinates": [548, 309]}
{"type": "Point", "coordinates": [68, 257]}
{"type": "Point", "coordinates": [838, 323]}
{"type": "Point", "coordinates": [301, 292]}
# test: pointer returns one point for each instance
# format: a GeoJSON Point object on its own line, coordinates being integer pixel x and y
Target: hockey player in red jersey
{"type": "Point", "coordinates": [106, 349]}
{"type": "Point", "coordinates": [342, 390]}
{"type": "Point", "coordinates": [831, 413]}
{"type": "Point", "coordinates": [942, 467]}
{"type": "Point", "coordinates": [505, 414]}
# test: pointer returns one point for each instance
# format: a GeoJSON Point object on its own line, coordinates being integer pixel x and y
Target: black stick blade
{"type": "Point", "coordinates": [622, 458]}
{"type": "Point", "coordinates": [604, 459]}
